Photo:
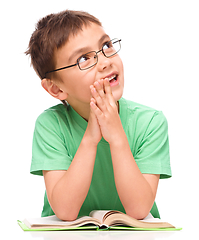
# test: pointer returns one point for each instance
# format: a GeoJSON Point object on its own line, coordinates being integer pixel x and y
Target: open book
{"type": "Point", "coordinates": [96, 220]}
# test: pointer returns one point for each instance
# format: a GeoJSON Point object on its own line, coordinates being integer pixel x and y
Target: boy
{"type": "Point", "coordinates": [97, 150]}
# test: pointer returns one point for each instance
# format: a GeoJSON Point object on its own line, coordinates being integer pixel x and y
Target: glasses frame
{"type": "Point", "coordinates": [101, 50]}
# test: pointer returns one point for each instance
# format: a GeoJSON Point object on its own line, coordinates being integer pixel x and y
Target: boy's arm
{"type": "Point", "coordinates": [137, 191]}
{"type": "Point", "coordinates": [67, 190]}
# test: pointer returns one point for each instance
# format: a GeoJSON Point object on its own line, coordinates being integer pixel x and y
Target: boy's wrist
{"type": "Point", "coordinates": [119, 142]}
{"type": "Point", "coordinates": [88, 141]}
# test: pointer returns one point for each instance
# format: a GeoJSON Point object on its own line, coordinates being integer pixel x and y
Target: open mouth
{"type": "Point", "coordinates": [113, 78]}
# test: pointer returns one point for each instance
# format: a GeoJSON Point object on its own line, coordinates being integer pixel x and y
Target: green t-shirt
{"type": "Point", "coordinates": [57, 136]}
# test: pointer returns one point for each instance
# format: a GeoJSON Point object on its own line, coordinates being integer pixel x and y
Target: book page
{"type": "Point", "coordinates": [151, 219]}
{"type": "Point", "coordinates": [98, 214]}
{"type": "Point", "coordinates": [54, 221]}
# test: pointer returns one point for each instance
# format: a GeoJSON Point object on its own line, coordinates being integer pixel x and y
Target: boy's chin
{"type": "Point", "coordinates": [117, 95]}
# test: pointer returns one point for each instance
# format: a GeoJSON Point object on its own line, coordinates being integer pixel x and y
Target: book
{"type": "Point", "coordinates": [98, 220]}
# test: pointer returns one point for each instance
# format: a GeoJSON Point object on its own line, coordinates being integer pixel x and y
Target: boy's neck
{"type": "Point", "coordinates": [83, 111]}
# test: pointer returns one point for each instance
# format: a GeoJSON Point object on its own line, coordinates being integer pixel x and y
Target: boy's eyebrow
{"type": "Point", "coordinates": [84, 49]}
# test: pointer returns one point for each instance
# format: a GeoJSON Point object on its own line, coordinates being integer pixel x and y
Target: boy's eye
{"type": "Point", "coordinates": [107, 45]}
{"type": "Point", "coordinates": [87, 60]}
{"type": "Point", "coordinates": [83, 58]}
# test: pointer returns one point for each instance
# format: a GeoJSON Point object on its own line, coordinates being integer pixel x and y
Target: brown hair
{"type": "Point", "coordinates": [52, 32]}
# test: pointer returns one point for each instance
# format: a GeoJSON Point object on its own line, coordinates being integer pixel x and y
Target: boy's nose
{"type": "Point", "coordinates": [103, 62]}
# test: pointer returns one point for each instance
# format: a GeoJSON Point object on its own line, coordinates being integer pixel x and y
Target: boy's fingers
{"type": "Point", "coordinates": [93, 101]}
{"type": "Point", "coordinates": [107, 86]}
{"type": "Point", "coordinates": [108, 92]}
{"type": "Point", "coordinates": [98, 113]}
{"type": "Point", "coordinates": [99, 101]}
{"type": "Point", "coordinates": [92, 106]}
{"type": "Point", "coordinates": [99, 87]}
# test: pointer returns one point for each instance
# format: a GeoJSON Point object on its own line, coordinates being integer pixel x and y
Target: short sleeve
{"type": "Point", "coordinates": [152, 156]}
{"type": "Point", "coordinates": [49, 150]}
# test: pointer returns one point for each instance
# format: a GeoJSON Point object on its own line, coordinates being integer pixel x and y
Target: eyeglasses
{"type": "Point", "coordinates": [90, 59]}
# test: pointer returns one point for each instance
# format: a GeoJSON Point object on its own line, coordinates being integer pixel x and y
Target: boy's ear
{"type": "Point", "coordinates": [53, 89]}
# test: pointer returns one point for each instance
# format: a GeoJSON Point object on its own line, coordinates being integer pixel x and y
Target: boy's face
{"type": "Point", "coordinates": [75, 82]}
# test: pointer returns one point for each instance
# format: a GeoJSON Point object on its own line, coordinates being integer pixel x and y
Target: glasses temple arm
{"type": "Point", "coordinates": [61, 69]}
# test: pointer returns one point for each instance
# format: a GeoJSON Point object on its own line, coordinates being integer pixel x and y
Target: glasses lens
{"type": "Point", "coordinates": [112, 47]}
{"type": "Point", "coordinates": [87, 60]}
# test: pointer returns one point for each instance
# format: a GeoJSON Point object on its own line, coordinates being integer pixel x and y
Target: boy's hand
{"type": "Point", "coordinates": [93, 131]}
{"type": "Point", "coordinates": [106, 111]}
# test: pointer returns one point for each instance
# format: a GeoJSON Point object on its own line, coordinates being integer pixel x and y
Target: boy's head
{"type": "Point", "coordinates": [72, 38]}
{"type": "Point", "coordinates": [51, 33]}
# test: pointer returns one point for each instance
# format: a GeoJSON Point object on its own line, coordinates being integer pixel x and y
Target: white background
{"type": "Point", "coordinates": [160, 52]}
